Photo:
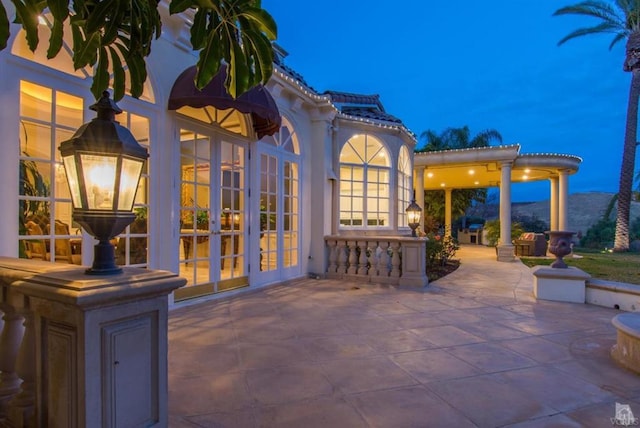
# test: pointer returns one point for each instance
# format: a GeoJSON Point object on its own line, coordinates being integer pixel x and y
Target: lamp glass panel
{"type": "Point", "coordinates": [131, 169]}
{"type": "Point", "coordinates": [99, 179]}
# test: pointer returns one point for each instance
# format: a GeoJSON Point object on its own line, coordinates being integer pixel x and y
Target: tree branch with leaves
{"type": "Point", "coordinates": [114, 37]}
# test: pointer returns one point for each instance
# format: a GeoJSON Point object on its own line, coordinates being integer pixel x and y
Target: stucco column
{"type": "Point", "coordinates": [447, 212]}
{"type": "Point", "coordinates": [563, 200]}
{"type": "Point", "coordinates": [505, 247]}
{"type": "Point", "coordinates": [553, 203]}
{"type": "Point", "coordinates": [418, 187]}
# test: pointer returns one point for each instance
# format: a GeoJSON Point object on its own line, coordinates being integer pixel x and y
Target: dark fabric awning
{"type": "Point", "coordinates": [257, 101]}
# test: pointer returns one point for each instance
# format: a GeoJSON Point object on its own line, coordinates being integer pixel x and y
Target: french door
{"type": "Point", "coordinates": [279, 215]}
{"type": "Point", "coordinates": [213, 229]}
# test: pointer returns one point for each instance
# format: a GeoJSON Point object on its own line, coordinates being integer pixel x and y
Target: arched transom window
{"type": "Point", "coordinates": [365, 171]}
{"type": "Point", "coordinates": [404, 185]}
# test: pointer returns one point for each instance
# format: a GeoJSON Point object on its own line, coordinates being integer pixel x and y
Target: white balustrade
{"type": "Point", "coordinates": [388, 260]}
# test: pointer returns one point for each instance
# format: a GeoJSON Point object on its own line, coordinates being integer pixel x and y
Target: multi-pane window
{"type": "Point", "coordinates": [365, 173]}
{"type": "Point", "coordinates": [46, 228]}
{"type": "Point", "coordinates": [404, 185]}
{"type": "Point", "coordinates": [132, 245]}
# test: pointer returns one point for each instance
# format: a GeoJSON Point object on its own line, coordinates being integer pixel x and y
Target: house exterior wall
{"type": "Point", "coordinates": [320, 130]}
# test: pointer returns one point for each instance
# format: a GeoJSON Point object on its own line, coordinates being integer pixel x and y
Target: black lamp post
{"type": "Point", "coordinates": [413, 216]}
{"type": "Point", "coordinates": [103, 163]}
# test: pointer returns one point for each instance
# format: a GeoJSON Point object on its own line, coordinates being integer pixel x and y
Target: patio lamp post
{"type": "Point", "coordinates": [413, 216]}
{"type": "Point", "coordinates": [103, 163]}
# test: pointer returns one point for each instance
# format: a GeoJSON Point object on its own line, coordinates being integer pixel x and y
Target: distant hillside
{"type": "Point", "coordinates": [585, 209]}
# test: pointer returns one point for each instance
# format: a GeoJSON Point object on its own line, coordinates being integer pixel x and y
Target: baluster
{"type": "Point", "coordinates": [373, 259]}
{"type": "Point", "coordinates": [10, 339]}
{"type": "Point", "coordinates": [342, 257]}
{"type": "Point", "coordinates": [22, 407]}
{"type": "Point", "coordinates": [362, 263]}
{"type": "Point", "coordinates": [383, 259]}
{"type": "Point", "coordinates": [395, 259]}
{"type": "Point", "coordinates": [353, 257]}
{"type": "Point", "coordinates": [333, 256]}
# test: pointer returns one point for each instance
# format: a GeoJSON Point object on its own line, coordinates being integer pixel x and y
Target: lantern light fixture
{"type": "Point", "coordinates": [414, 213]}
{"type": "Point", "coordinates": [103, 163]}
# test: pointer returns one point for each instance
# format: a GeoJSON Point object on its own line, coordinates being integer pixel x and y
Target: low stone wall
{"type": "Point", "coordinates": [610, 294]}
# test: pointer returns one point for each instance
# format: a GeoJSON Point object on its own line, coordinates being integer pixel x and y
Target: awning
{"type": "Point", "coordinates": [257, 101]}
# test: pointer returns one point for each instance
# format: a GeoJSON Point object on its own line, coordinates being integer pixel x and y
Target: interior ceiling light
{"type": "Point", "coordinates": [430, 174]}
{"type": "Point", "coordinates": [471, 172]}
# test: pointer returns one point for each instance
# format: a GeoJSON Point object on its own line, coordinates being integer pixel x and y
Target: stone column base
{"type": "Point", "coordinates": [560, 285]}
{"type": "Point", "coordinates": [505, 253]}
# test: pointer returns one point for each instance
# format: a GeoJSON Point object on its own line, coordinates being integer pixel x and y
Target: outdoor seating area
{"type": "Point", "coordinates": [473, 349]}
{"type": "Point", "coordinates": [531, 244]}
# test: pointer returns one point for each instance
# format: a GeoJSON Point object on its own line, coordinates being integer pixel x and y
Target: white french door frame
{"type": "Point", "coordinates": [239, 240]}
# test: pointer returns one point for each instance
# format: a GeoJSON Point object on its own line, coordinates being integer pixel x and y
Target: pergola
{"type": "Point", "coordinates": [498, 166]}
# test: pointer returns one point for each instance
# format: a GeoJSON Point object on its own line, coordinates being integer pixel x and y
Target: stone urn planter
{"type": "Point", "coordinates": [560, 246]}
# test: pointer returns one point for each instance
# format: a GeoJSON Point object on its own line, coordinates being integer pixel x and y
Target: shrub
{"type": "Point", "coordinates": [600, 235]}
{"type": "Point", "coordinates": [440, 249]}
{"type": "Point", "coordinates": [493, 231]}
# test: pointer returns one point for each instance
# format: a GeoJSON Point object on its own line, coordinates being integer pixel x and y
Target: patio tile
{"type": "Point", "coordinates": [601, 414]}
{"type": "Point", "coordinates": [457, 317]}
{"type": "Point", "coordinates": [391, 342]}
{"type": "Point", "coordinates": [338, 347]}
{"type": "Point", "coordinates": [605, 374]}
{"type": "Point", "coordinates": [287, 384]}
{"type": "Point", "coordinates": [275, 354]}
{"type": "Point", "coordinates": [436, 364]}
{"type": "Point", "coordinates": [489, 330]}
{"type": "Point", "coordinates": [318, 413]}
{"type": "Point", "coordinates": [490, 357]}
{"type": "Point", "coordinates": [222, 358]}
{"type": "Point", "coordinates": [539, 349]}
{"type": "Point", "coordinates": [554, 421]}
{"type": "Point", "coordinates": [204, 394]}
{"type": "Point", "coordinates": [555, 388]}
{"type": "Point", "coordinates": [446, 336]}
{"type": "Point", "coordinates": [240, 419]}
{"type": "Point", "coordinates": [407, 407]}
{"type": "Point", "coordinates": [339, 353]}
{"type": "Point", "coordinates": [418, 320]}
{"type": "Point", "coordinates": [492, 313]}
{"type": "Point", "coordinates": [488, 401]}
{"type": "Point", "coordinates": [304, 328]}
{"type": "Point", "coordinates": [365, 374]}
{"type": "Point", "coordinates": [371, 325]}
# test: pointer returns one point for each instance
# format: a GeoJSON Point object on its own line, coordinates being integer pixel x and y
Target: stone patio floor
{"type": "Point", "coordinates": [473, 349]}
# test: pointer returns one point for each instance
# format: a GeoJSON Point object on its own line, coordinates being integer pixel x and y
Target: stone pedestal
{"type": "Point", "coordinates": [100, 343]}
{"type": "Point", "coordinates": [560, 285]}
{"type": "Point", "coordinates": [626, 351]}
{"type": "Point", "coordinates": [414, 263]}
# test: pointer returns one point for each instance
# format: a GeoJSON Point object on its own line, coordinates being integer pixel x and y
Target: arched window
{"type": "Point", "coordinates": [404, 185]}
{"type": "Point", "coordinates": [365, 173]}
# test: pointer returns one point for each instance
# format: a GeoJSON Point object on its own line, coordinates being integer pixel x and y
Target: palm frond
{"type": "Point", "coordinates": [604, 27]}
{"type": "Point", "coordinates": [599, 10]}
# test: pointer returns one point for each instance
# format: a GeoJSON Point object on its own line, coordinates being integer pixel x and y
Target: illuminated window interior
{"type": "Point", "coordinates": [230, 119]}
{"type": "Point", "coordinates": [364, 183]}
{"type": "Point", "coordinates": [404, 185]}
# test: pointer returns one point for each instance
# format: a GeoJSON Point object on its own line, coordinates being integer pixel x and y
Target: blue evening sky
{"type": "Point", "coordinates": [485, 64]}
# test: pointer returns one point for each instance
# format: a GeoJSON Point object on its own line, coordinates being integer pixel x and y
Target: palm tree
{"type": "Point", "coordinates": [457, 138]}
{"type": "Point", "coordinates": [452, 139]}
{"type": "Point", "coordinates": [622, 19]}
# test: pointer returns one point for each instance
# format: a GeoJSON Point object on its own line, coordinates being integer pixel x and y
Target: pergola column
{"type": "Point", "coordinates": [563, 200]}
{"type": "Point", "coordinates": [447, 212]}
{"type": "Point", "coordinates": [418, 186]}
{"type": "Point", "coordinates": [505, 247]}
{"type": "Point", "coordinates": [553, 203]}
